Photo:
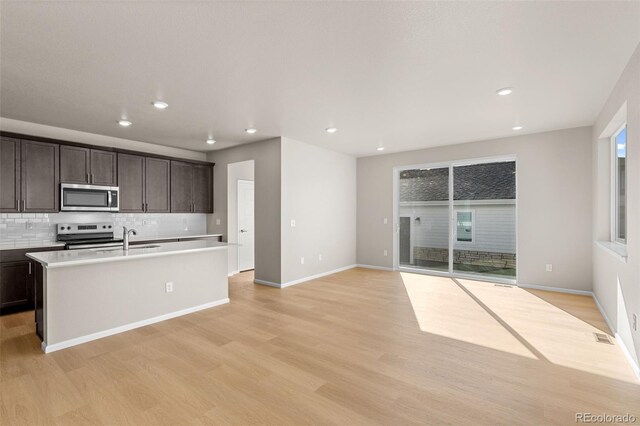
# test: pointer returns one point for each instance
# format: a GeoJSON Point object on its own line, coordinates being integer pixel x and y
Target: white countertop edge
{"type": "Point", "coordinates": [131, 256]}
{"type": "Point", "coordinates": [24, 246]}
{"type": "Point", "coordinates": [133, 240]}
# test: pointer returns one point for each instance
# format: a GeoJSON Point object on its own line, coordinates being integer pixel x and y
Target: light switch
{"type": "Point", "coordinates": [549, 267]}
{"type": "Point", "coordinates": [293, 223]}
{"type": "Point", "coordinates": [217, 221]}
{"type": "Point", "coordinates": [384, 221]}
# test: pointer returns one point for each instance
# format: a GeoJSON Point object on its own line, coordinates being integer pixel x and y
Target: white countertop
{"type": "Point", "coordinates": [64, 258]}
{"type": "Point", "coordinates": [17, 245]}
{"type": "Point", "coordinates": [135, 239]}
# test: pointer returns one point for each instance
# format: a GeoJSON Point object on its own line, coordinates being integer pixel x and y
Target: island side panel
{"type": "Point", "coordinates": [90, 300]}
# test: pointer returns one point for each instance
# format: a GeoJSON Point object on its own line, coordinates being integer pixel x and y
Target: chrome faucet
{"type": "Point", "coordinates": [125, 236]}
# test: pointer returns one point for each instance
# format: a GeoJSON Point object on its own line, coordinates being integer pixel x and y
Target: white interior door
{"type": "Point", "coordinates": [245, 225]}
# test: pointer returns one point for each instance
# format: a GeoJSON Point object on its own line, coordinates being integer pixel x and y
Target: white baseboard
{"type": "Point", "coordinates": [232, 273]}
{"type": "Point", "coordinates": [305, 279]}
{"type": "Point", "coordinates": [380, 268]}
{"type": "Point", "coordinates": [110, 332]}
{"type": "Point", "coordinates": [634, 366]}
{"type": "Point", "coordinates": [556, 289]}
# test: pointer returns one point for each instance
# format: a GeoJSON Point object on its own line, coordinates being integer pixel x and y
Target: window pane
{"type": "Point", "coordinates": [621, 185]}
{"type": "Point", "coordinates": [485, 203]}
{"type": "Point", "coordinates": [424, 218]}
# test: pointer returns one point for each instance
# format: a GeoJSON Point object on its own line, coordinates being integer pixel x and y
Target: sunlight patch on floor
{"type": "Point", "coordinates": [443, 308]}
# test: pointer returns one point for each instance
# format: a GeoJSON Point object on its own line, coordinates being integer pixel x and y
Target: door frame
{"type": "Point", "coordinates": [396, 221]}
{"type": "Point", "coordinates": [253, 183]}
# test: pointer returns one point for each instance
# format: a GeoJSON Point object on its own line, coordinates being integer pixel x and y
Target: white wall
{"type": "Point", "coordinates": [554, 202]}
{"type": "Point", "coordinates": [616, 284]}
{"type": "Point", "coordinates": [243, 170]}
{"type": "Point", "coordinates": [34, 129]}
{"type": "Point", "coordinates": [319, 193]}
{"type": "Point", "coordinates": [267, 158]}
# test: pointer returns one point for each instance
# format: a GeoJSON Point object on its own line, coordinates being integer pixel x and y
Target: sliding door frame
{"type": "Point", "coordinates": [396, 218]}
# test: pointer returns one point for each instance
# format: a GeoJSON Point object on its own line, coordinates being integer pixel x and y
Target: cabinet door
{"type": "Point", "coordinates": [158, 183]}
{"type": "Point", "coordinates": [181, 187]}
{"type": "Point", "coordinates": [131, 177]}
{"type": "Point", "coordinates": [39, 176]}
{"type": "Point", "coordinates": [202, 189]}
{"type": "Point", "coordinates": [9, 175]}
{"type": "Point", "coordinates": [74, 164]}
{"type": "Point", "coordinates": [104, 168]}
{"type": "Point", "coordinates": [16, 284]}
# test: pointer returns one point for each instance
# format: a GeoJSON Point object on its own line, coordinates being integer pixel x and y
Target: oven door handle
{"type": "Point", "coordinates": [109, 201]}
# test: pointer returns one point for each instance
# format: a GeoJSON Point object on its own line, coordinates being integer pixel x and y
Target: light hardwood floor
{"type": "Point", "coordinates": [358, 347]}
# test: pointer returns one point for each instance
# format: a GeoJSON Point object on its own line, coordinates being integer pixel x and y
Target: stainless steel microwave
{"type": "Point", "coordinates": [89, 198]}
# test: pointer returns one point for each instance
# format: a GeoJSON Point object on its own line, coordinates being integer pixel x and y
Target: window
{"type": "Point", "coordinates": [619, 179]}
{"type": "Point", "coordinates": [464, 226]}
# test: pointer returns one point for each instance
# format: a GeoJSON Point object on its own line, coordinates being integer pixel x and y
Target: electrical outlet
{"type": "Point", "coordinates": [320, 257]}
{"type": "Point", "coordinates": [293, 223]}
{"type": "Point", "coordinates": [384, 221]}
{"type": "Point", "coordinates": [217, 221]}
{"type": "Point", "coordinates": [635, 322]}
{"type": "Point", "coordinates": [386, 253]}
{"type": "Point", "coordinates": [145, 222]}
{"type": "Point", "coordinates": [168, 287]}
{"type": "Point", "coordinates": [29, 225]}
{"type": "Point", "coordinates": [549, 267]}
{"type": "Point", "coordinates": [302, 260]}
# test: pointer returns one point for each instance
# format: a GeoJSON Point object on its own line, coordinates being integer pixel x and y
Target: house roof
{"type": "Point", "coordinates": [490, 181]}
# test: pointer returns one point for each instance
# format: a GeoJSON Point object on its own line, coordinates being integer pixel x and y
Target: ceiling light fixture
{"type": "Point", "coordinates": [124, 123]}
{"type": "Point", "coordinates": [211, 141]}
{"type": "Point", "coordinates": [517, 127]}
{"type": "Point", "coordinates": [380, 148]}
{"type": "Point", "coordinates": [250, 130]}
{"type": "Point", "coordinates": [160, 104]}
{"type": "Point", "coordinates": [331, 129]}
{"type": "Point", "coordinates": [504, 91]}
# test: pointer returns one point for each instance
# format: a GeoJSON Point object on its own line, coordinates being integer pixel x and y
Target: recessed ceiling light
{"type": "Point", "coordinates": [211, 141]}
{"type": "Point", "coordinates": [517, 127]}
{"type": "Point", "coordinates": [504, 91]}
{"type": "Point", "coordinates": [250, 130]}
{"type": "Point", "coordinates": [124, 123]}
{"type": "Point", "coordinates": [331, 129]}
{"type": "Point", "coordinates": [160, 104]}
{"type": "Point", "coordinates": [380, 148]}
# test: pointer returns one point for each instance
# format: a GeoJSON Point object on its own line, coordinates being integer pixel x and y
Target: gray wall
{"type": "Point", "coordinates": [243, 170]}
{"type": "Point", "coordinates": [615, 282]}
{"type": "Point", "coordinates": [554, 202]}
{"type": "Point", "coordinates": [319, 193]}
{"type": "Point", "coordinates": [267, 157]}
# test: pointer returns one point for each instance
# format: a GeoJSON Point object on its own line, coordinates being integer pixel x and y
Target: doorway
{"type": "Point", "coordinates": [240, 215]}
{"type": "Point", "coordinates": [246, 243]}
{"type": "Point", "coordinates": [457, 219]}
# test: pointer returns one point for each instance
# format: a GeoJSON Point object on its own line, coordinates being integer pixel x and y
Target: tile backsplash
{"type": "Point", "coordinates": [41, 227]}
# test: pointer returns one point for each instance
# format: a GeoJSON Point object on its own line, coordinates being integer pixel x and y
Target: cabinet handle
{"type": "Point", "coordinates": [92, 178]}
{"type": "Point", "coordinates": [24, 205]}
{"type": "Point", "coordinates": [29, 268]}
{"type": "Point", "coordinates": [17, 205]}
{"type": "Point", "coordinates": [88, 178]}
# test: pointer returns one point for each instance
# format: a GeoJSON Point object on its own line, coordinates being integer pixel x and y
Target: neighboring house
{"type": "Point", "coordinates": [484, 217]}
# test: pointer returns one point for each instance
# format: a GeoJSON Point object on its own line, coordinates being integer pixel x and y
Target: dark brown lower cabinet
{"type": "Point", "coordinates": [21, 283]}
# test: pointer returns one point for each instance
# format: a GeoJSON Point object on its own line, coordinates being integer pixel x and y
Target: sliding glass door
{"type": "Point", "coordinates": [458, 218]}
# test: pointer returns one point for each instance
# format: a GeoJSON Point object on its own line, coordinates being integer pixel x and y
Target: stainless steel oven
{"type": "Point", "coordinates": [89, 198]}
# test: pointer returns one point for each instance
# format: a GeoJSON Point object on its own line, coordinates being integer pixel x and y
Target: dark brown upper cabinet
{"type": "Point", "coordinates": [39, 176]}
{"type": "Point", "coordinates": [202, 189]}
{"type": "Point", "coordinates": [144, 184]}
{"type": "Point", "coordinates": [131, 177]}
{"type": "Point", "coordinates": [181, 187]}
{"type": "Point", "coordinates": [157, 185]}
{"type": "Point", "coordinates": [88, 166]}
{"type": "Point", "coordinates": [29, 176]}
{"type": "Point", "coordinates": [9, 175]}
{"type": "Point", "coordinates": [191, 188]}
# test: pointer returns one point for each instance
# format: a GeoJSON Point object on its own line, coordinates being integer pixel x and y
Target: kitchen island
{"type": "Point", "coordinates": [89, 294]}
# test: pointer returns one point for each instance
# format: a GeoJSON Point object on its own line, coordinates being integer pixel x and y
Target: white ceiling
{"type": "Point", "coordinates": [405, 75]}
